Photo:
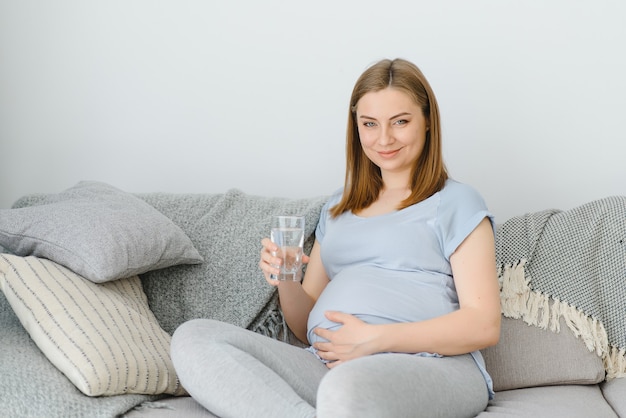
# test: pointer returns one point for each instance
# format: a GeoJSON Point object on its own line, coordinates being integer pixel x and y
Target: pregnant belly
{"type": "Point", "coordinates": [380, 296]}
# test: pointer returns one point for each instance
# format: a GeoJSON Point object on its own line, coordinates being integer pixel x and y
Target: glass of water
{"type": "Point", "coordinates": [288, 234]}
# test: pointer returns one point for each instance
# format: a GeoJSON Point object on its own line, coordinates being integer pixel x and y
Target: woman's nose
{"type": "Point", "coordinates": [386, 136]}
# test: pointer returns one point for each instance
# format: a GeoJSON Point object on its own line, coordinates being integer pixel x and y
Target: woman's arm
{"type": "Point", "coordinates": [474, 326]}
{"type": "Point", "coordinates": [296, 300]}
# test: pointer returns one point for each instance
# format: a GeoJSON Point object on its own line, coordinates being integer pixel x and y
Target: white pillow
{"type": "Point", "coordinates": [103, 337]}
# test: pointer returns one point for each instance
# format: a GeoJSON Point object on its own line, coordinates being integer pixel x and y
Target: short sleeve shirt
{"type": "Point", "coordinates": [395, 267]}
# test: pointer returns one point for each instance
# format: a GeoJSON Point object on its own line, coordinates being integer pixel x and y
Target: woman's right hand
{"type": "Point", "coordinates": [268, 262]}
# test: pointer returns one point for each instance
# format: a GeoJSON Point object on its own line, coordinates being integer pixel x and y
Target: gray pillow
{"type": "Point", "coordinates": [98, 231]}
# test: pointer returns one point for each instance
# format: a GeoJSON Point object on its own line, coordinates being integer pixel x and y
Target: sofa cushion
{"type": "Point", "coordinates": [103, 337]}
{"type": "Point", "coordinates": [227, 230]}
{"type": "Point", "coordinates": [529, 356]}
{"type": "Point", "coordinates": [569, 401]}
{"type": "Point", "coordinates": [97, 231]}
{"type": "Point", "coordinates": [614, 392]}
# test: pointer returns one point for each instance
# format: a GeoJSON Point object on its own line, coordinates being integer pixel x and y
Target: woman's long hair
{"type": "Point", "coordinates": [363, 181]}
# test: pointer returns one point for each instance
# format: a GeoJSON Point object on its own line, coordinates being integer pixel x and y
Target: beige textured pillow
{"type": "Point", "coordinates": [103, 337]}
{"type": "Point", "coordinates": [528, 356]}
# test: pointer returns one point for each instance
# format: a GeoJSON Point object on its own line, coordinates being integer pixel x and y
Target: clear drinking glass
{"type": "Point", "coordinates": [288, 234]}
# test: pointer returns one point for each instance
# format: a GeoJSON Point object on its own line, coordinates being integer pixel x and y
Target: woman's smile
{"type": "Point", "coordinates": [388, 154]}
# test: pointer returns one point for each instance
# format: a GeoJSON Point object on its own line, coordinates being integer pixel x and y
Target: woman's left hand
{"type": "Point", "coordinates": [354, 339]}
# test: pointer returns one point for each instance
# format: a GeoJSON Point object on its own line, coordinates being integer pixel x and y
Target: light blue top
{"type": "Point", "coordinates": [395, 267]}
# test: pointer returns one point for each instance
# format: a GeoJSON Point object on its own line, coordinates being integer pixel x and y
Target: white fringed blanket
{"type": "Point", "coordinates": [570, 264]}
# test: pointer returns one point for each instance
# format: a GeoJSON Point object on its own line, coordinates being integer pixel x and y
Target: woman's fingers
{"type": "Point", "coordinates": [268, 263]}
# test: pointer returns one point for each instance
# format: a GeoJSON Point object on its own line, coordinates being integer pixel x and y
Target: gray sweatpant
{"type": "Point", "coordinates": [237, 373]}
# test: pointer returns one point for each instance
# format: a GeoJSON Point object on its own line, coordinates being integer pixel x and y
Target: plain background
{"type": "Point", "coordinates": [204, 96]}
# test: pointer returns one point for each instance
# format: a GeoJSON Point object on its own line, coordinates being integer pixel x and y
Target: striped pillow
{"type": "Point", "coordinates": [103, 337]}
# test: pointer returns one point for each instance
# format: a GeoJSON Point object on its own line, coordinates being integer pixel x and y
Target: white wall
{"type": "Point", "coordinates": [202, 96]}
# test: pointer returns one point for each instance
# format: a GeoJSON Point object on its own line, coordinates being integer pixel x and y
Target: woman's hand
{"type": "Point", "coordinates": [354, 339]}
{"type": "Point", "coordinates": [270, 264]}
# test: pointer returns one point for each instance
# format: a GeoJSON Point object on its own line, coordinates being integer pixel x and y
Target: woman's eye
{"type": "Point", "coordinates": [401, 122]}
{"type": "Point", "coordinates": [369, 124]}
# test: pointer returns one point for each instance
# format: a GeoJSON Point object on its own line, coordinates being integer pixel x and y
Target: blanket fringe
{"type": "Point", "coordinates": [519, 301]}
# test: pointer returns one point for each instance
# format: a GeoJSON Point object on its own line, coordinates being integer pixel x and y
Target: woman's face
{"type": "Point", "coordinates": [392, 130]}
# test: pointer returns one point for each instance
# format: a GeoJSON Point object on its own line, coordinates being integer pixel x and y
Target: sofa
{"type": "Point", "coordinates": [95, 280]}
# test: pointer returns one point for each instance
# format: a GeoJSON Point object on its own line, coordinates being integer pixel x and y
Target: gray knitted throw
{"type": "Point", "coordinates": [577, 260]}
{"type": "Point", "coordinates": [229, 286]}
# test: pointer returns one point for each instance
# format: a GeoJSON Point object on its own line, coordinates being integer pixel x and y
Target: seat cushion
{"type": "Point", "coordinates": [566, 401]}
{"type": "Point", "coordinates": [569, 401]}
{"type": "Point", "coordinates": [614, 392]}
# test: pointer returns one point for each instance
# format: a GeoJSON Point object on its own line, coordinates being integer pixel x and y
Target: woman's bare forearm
{"type": "Point", "coordinates": [296, 299]}
{"type": "Point", "coordinates": [296, 305]}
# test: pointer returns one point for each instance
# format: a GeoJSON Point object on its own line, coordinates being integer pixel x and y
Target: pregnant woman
{"type": "Point", "coordinates": [400, 290]}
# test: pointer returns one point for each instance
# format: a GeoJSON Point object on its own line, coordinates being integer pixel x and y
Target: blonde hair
{"type": "Point", "coordinates": [363, 181]}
